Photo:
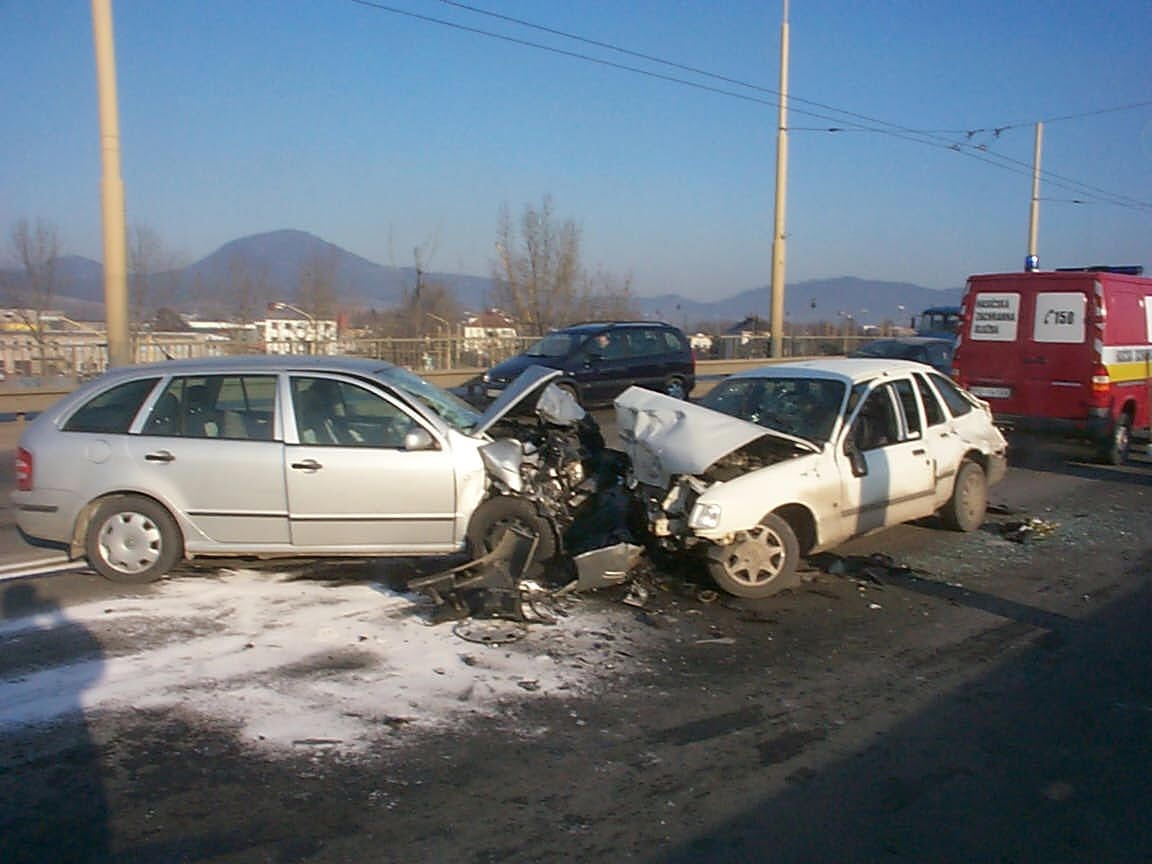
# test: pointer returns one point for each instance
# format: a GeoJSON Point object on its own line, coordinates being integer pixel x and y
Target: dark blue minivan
{"type": "Point", "coordinates": [601, 359]}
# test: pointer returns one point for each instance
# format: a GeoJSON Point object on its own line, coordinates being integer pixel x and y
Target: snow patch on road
{"type": "Point", "coordinates": [289, 660]}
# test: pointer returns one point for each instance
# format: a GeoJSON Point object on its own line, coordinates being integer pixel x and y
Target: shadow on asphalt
{"type": "Point", "coordinates": [64, 819]}
{"type": "Point", "coordinates": [1075, 459]}
{"type": "Point", "coordinates": [1045, 758]}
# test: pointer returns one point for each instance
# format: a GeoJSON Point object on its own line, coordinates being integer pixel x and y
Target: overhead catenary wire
{"type": "Point", "coordinates": [857, 122]}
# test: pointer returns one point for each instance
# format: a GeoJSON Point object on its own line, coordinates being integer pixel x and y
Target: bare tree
{"type": "Point", "coordinates": [317, 290]}
{"type": "Point", "coordinates": [604, 297]}
{"type": "Point", "coordinates": [538, 273]}
{"type": "Point", "coordinates": [251, 287]}
{"type": "Point", "coordinates": [430, 308]}
{"type": "Point", "coordinates": [36, 249]}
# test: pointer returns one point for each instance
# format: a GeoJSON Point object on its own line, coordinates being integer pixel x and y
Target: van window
{"type": "Point", "coordinates": [1059, 317]}
{"type": "Point", "coordinates": [995, 316]}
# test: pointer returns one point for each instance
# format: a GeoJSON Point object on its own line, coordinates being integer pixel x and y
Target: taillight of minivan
{"type": "Point", "coordinates": [1101, 386]}
{"type": "Point", "coordinates": [23, 470]}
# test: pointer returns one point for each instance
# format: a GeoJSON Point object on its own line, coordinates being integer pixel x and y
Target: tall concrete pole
{"type": "Point", "coordinates": [778, 234]}
{"type": "Point", "coordinates": [112, 190]}
{"type": "Point", "coordinates": [1033, 261]}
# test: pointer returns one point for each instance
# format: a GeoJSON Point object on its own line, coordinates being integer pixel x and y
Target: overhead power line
{"type": "Point", "coordinates": [856, 122]}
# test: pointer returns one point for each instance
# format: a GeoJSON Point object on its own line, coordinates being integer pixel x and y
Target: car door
{"type": "Point", "coordinates": [949, 437]}
{"type": "Point", "coordinates": [604, 371]}
{"type": "Point", "coordinates": [351, 482]}
{"type": "Point", "coordinates": [889, 478]}
{"type": "Point", "coordinates": [651, 357]}
{"type": "Point", "coordinates": [208, 448]}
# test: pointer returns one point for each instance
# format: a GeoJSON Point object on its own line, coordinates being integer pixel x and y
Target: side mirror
{"type": "Point", "coordinates": [418, 438]}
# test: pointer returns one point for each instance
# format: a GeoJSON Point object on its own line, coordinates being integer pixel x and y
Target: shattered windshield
{"type": "Point", "coordinates": [804, 407]}
{"type": "Point", "coordinates": [552, 345]}
{"type": "Point", "coordinates": [451, 409]}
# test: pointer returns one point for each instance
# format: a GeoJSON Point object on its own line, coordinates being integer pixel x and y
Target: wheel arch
{"type": "Point", "coordinates": [84, 519]}
{"type": "Point", "coordinates": [1128, 410]}
{"type": "Point", "coordinates": [803, 524]}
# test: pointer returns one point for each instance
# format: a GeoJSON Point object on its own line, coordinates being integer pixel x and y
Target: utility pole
{"type": "Point", "coordinates": [112, 190]}
{"type": "Point", "coordinates": [1033, 261]}
{"type": "Point", "coordinates": [781, 197]}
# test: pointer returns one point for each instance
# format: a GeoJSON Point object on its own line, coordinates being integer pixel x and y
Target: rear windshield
{"type": "Point", "coordinates": [897, 350]}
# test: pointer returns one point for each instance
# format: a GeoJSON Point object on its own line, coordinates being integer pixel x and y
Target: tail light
{"type": "Point", "coordinates": [23, 470]}
{"type": "Point", "coordinates": [1101, 386]}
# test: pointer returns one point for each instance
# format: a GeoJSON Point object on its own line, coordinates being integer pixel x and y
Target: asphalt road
{"type": "Point", "coordinates": [987, 701]}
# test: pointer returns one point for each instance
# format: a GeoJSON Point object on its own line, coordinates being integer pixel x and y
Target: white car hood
{"type": "Point", "coordinates": [664, 436]}
{"type": "Point", "coordinates": [527, 385]}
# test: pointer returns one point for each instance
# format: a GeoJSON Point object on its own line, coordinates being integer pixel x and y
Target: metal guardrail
{"type": "Point", "coordinates": [37, 374]}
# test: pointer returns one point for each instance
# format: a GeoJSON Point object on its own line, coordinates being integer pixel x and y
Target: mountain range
{"type": "Point", "coordinates": [272, 263]}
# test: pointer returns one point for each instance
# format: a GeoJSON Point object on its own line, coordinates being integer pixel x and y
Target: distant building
{"type": "Point", "coordinates": [488, 338]}
{"type": "Point", "coordinates": [298, 335]}
{"type": "Point", "coordinates": [701, 343]}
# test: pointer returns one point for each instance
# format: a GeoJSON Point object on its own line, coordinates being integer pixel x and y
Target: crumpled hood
{"type": "Point", "coordinates": [664, 436]}
{"type": "Point", "coordinates": [526, 386]}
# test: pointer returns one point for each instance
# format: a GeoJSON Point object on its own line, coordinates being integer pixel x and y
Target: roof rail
{"type": "Point", "coordinates": [1133, 270]}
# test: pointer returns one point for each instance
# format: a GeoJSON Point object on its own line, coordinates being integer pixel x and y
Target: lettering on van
{"type": "Point", "coordinates": [995, 317]}
{"type": "Point", "coordinates": [1127, 355]}
{"type": "Point", "coordinates": [1060, 317]}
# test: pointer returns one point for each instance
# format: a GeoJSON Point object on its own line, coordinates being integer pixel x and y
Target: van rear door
{"type": "Point", "coordinates": [1026, 345]}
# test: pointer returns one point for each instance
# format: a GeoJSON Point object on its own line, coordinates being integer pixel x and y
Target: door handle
{"type": "Point", "coordinates": [159, 456]}
{"type": "Point", "coordinates": [919, 451]}
{"type": "Point", "coordinates": [307, 465]}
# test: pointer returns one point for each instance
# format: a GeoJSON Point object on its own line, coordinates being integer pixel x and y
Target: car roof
{"type": "Point", "coordinates": [592, 326]}
{"type": "Point", "coordinates": [851, 370]}
{"type": "Point", "coordinates": [268, 363]}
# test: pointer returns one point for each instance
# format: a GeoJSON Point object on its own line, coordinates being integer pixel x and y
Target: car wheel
{"type": "Point", "coordinates": [497, 515]}
{"type": "Point", "coordinates": [760, 565]}
{"type": "Point", "coordinates": [132, 539]}
{"type": "Point", "coordinates": [965, 509]}
{"type": "Point", "coordinates": [675, 388]}
{"type": "Point", "coordinates": [1115, 449]}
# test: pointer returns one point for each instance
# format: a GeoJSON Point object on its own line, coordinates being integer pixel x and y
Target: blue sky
{"type": "Point", "coordinates": [381, 132]}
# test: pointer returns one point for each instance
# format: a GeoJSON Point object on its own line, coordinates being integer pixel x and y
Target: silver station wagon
{"type": "Point", "coordinates": [262, 457]}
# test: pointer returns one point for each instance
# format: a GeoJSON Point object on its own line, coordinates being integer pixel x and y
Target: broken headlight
{"type": "Point", "coordinates": [704, 516]}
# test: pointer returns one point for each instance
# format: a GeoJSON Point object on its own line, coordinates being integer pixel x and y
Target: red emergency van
{"type": "Point", "coordinates": [1061, 351]}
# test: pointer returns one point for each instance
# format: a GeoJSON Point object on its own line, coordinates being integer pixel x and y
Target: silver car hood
{"type": "Point", "coordinates": [663, 436]}
{"type": "Point", "coordinates": [528, 383]}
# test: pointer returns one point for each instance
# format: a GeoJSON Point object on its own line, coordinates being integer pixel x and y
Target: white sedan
{"type": "Point", "coordinates": [787, 460]}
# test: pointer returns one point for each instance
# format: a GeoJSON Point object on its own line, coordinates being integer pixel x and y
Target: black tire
{"type": "Point", "coordinates": [1114, 449]}
{"type": "Point", "coordinates": [675, 388]}
{"type": "Point", "coordinates": [965, 509]}
{"type": "Point", "coordinates": [759, 566]}
{"type": "Point", "coordinates": [496, 515]}
{"type": "Point", "coordinates": [132, 539]}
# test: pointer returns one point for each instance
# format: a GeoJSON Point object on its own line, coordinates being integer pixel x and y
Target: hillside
{"type": "Point", "coordinates": [271, 264]}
